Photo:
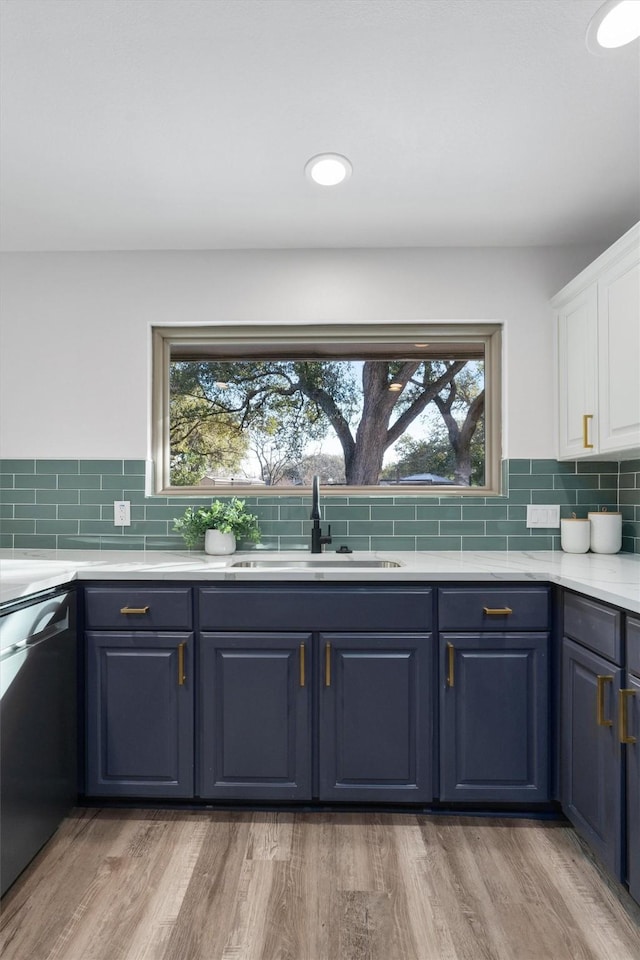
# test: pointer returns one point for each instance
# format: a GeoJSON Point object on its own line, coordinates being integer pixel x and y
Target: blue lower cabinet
{"type": "Point", "coordinates": [631, 735]}
{"type": "Point", "coordinates": [139, 726]}
{"type": "Point", "coordinates": [375, 717]}
{"type": "Point", "coordinates": [494, 717]}
{"type": "Point", "coordinates": [591, 753]}
{"type": "Point", "coordinates": [255, 716]}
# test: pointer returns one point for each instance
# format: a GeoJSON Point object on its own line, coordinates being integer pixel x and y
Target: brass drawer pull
{"type": "Point", "coordinates": [327, 664]}
{"type": "Point", "coordinates": [302, 658]}
{"type": "Point", "coordinates": [623, 716]}
{"type": "Point", "coordinates": [451, 654]}
{"type": "Point", "coordinates": [585, 431]}
{"type": "Point", "coordinates": [181, 674]}
{"type": "Point", "coordinates": [497, 611]}
{"type": "Point", "coordinates": [134, 609]}
{"type": "Point", "coordinates": [601, 720]}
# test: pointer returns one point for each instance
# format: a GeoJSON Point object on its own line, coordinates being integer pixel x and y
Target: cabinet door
{"type": "Point", "coordinates": [376, 717]}
{"type": "Point", "coordinates": [619, 350]}
{"type": "Point", "coordinates": [140, 714]}
{"type": "Point", "coordinates": [577, 375]}
{"type": "Point", "coordinates": [255, 716]}
{"type": "Point", "coordinates": [494, 732]}
{"type": "Point", "coordinates": [633, 786]}
{"type": "Point", "coordinates": [591, 769]}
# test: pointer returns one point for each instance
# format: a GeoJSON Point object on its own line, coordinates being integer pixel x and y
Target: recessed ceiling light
{"type": "Point", "coordinates": [615, 24]}
{"type": "Point", "coordinates": [328, 169]}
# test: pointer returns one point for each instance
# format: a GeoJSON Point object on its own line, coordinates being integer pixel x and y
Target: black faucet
{"type": "Point", "coordinates": [318, 538]}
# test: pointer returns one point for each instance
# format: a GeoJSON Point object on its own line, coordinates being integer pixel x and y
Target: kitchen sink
{"type": "Point", "coordinates": [311, 564]}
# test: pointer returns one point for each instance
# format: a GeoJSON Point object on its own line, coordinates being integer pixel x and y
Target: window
{"type": "Point", "coordinates": [404, 408]}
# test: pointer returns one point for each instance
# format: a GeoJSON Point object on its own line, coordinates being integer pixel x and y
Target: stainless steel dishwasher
{"type": "Point", "coordinates": [38, 711]}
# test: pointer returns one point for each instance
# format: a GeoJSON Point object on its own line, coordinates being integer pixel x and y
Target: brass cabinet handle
{"type": "Point", "coordinates": [327, 664]}
{"type": "Point", "coordinates": [497, 611]}
{"type": "Point", "coordinates": [451, 655]}
{"type": "Point", "coordinates": [135, 609]}
{"type": "Point", "coordinates": [302, 658]}
{"type": "Point", "coordinates": [601, 720]}
{"type": "Point", "coordinates": [585, 431]}
{"type": "Point", "coordinates": [623, 716]}
{"type": "Point", "coordinates": [181, 674]}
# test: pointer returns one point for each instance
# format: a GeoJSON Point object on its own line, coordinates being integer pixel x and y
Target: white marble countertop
{"type": "Point", "coordinates": [612, 578]}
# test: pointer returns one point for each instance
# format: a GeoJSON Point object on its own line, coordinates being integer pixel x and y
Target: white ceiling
{"type": "Point", "coordinates": [186, 124]}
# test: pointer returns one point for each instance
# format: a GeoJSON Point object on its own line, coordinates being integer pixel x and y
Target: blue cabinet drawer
{"type": "Point", "coordinates": [287, 607]}
{"type": "Point", "coordinates": [493, 608]}
{"type": "Point", "coordinates": [138, 608]}
{"type": "Point", "coordinates": [594, 625]}
{"type": "Point", "coordinates": [633, 646]}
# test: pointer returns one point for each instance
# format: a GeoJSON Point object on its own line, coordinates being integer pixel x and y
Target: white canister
{"type": "Point", "coordinates": [606, 531]}
{"type": "Point", "coordinates": [575, 534]}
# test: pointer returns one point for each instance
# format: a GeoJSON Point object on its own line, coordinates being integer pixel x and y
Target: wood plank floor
{"type": "Point", "coordinates": [204, 885]}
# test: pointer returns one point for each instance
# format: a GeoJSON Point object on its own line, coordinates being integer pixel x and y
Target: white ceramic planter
{"type": "Point", "coordinates": [218, 544]}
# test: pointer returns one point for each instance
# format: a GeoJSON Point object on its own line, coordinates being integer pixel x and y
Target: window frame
{"type": "Point", "coordinates": [255, 335]}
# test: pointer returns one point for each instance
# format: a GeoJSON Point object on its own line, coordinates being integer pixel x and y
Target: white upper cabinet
{"type": "Point", "coordinates": [578, 366]}
{"type": "Point", "coordinates": [598, 316]}
{"type": "Point", "coordinates": [619, 354]}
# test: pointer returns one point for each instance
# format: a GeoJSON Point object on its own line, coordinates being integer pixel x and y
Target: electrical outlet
{"type": "Point", "coordinates": [543, 515]}
{"type": "Point", "coordinates": [122, 513]}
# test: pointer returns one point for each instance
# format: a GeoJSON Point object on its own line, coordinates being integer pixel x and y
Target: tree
{"type": "Point", "coordinates": [434, 455]}
{"type": "Point", "coordinates": [462, 393]}
{"type": "Point", "coordinates": [275, 451]}
{"type": "Point", "coordinates": [307, 397]}
{"type": "Point", "coordinates": [329, 467]}
{"type": "Point", "coordinates": [400, 389]}
{"type": "Point", "coordinates": [197, 444]}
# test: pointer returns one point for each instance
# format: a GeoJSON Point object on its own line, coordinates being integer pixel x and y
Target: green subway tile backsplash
{"type": "Point", "coordinates": [597, 466]}
{"type": "Point", "coordinates": [55, 466]}
{"type": "Point", "coordinates": [520, 466]}
{"type": "Point", "coordinates": [103, 467]}
{"type": "Point", "coordinates": [34, 481]}
{"type": "Point", "coordinates": [629, 501]}
{"type": "Point", "coordinates": [531, 481]}
{"type": "Point", "coordinates": [23, 466]}
{"type": "Point", "coordinates": [68, 504]}
{"type": "Point", "coordinates": [39, 511]}
{"type": "Point", "coordinates": [484, 543]}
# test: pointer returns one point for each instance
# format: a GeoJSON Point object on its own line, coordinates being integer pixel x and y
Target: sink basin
{"type": "Point", "coordinates": [312, 564]}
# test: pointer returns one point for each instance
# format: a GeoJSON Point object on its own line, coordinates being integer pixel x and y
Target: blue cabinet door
{"type": "Point", "coordinates": [139, 714]}
{"type": "Point", "coordinates": [591, 766]}
{"type": "Point", "coordinates": [375, 717]}
{"type": "Point", "coordinates": [255, 716]}
{"type": "Point", "coordinates": [494, 710]}
{"type": "Point", "coordinates": [632, 731]}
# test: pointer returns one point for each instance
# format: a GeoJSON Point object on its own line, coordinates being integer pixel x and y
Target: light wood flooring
{"type": "Point", "coordinates": [220, 885]}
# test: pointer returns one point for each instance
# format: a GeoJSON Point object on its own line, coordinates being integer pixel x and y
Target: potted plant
{"type": "Point", "coordinates": [220, 526]}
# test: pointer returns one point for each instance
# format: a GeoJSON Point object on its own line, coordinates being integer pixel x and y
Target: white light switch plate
{"type": "Point", "coordinates": [546, 515]}
{"type": "Point", "coordinates": [122, 513]}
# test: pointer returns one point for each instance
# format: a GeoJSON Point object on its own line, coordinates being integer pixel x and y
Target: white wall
{"type": "Point", "coordinates": [75, 327]}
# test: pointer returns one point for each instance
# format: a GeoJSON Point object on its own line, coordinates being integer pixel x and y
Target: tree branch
{"type": "Point", "coordinates": [328, 405]}
{"type": "Point", "coordinates": [420, 403]}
